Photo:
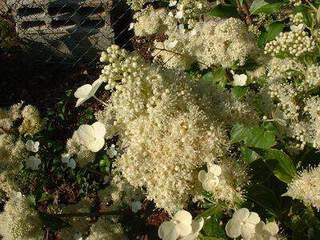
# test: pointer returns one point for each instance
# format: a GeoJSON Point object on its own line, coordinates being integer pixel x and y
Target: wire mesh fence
{"type": "Point", "coordinates": [70, 31]}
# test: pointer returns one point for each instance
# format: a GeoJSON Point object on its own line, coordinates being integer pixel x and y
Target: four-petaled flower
{"type": "Point", "coordinates": [33, 162]}
{"type": "Point", "coordinates": [66, 158]}
{"type": "Point", "coordinates": [243, 222]}
{"type": "Point", "coordinates": [92, 137]}
{"type": "Point", "coordinates": [210, 179]}
{"type": "Point", "coordinates": [87, 91]}
{"type": "Point", "coordinates": [32, 146]}
{"type": "Point", "coordinates": [267, 231]}
{"type": "Point", "coordinates": [239, 79]}
{"type": "Point", "coordinates": [181, 227]}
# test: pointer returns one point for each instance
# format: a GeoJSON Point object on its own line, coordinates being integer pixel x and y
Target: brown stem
{"type": "Point", "coordinates": [91, 214]}
{"type": "Point", "coordinates": [170, 51]}
{"type": "Point", "coordinates": [244, 10]}
{"type": "Point", "coordinates": [7, 131]}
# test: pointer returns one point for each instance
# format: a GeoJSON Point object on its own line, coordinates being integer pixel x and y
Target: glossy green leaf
{"type": "Point", "coordinates": [224, 11]}
{"type": "Point", "coordinates": [256, 137]}
{"type": "Point", "coordinates": [261, 6]}
{"type": "Point", "coordinates": [281, 164]}
{"type": "Point", "coordinates": [265, 198]}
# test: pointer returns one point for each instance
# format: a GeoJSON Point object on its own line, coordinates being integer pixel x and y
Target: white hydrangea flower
{"type": "Point", "coordinates": [242, 223]}
{"type": "Point", "coordinates": [87, 91]}
{"type": "Point", "coordinates": [240, 79]}
{"type": "Point", "coordinates": [32, 146]}
{"type": "Point", "coordinates": [92, 137]}
{"type": "Point", "coordinates": [66, 158]}
{"type": "Point", "coordinates": [179, 14]}
{"type": "Point", "coordinates": [181, 227]}
{"type": "Point", "coordinates": [33, 162]}
{"type": "Point", "coordinates": [112, 151]}
{"type": "Point", "coordinates": [136, 206]}
{"type": "Point", "coordinates": [173, 3]}
{"type": "Point", "coordinates": [267, 231]}
{"type": "Point", "coordinates": [297, 28]}
{"type": "Point", "coordinates": [210, 179]}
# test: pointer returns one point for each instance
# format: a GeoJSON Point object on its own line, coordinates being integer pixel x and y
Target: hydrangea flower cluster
{"type": "Point", "coordinates": [145, 107]}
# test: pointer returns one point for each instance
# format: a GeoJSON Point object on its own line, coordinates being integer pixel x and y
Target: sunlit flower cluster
{"type": "Point", "coordinates": [305, 187]}
{"type": "Point", "coordinates": [19, 221]}
{"type": "Point", "coordinates": [106, 229]}
{"type": "Point", "coordinates": [294, 43]}
{"type": "Point", "coordinates": [150, 21]}
{"type": "Point", "coordinates": [209, 43]}
{"type": "Point", "coordinates": [224, 181]}
{"type": "Point", "coordinates": [147, 106]}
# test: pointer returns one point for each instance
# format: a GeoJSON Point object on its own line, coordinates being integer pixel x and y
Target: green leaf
{"type": "Point", "coordinates": [53, 222]}
{"type": "Point", "coordinates": [217, 77]}
{"type": "Point", "coordinates": [213, 211]}
{"type": "Point", "coordinates": [209, 238]}
{"type": "Point", "coordinates": [281, 164]}
{"type": "Point", "coordinates": [264, 197]}
{"type": "Point", "coordinates": [249, 155]}
{"type": "Point", "coordinates": [239, 91]}
{"type": "Point", "coordinates": [213, 228]}
{"type": "Point", "coordinates": [261, 6]}
{"type": "Point", "coordinates": [224, 11]}
{"type": "Point", "coordinates": [256, 137]}
{"type": "Point", "coordinates": [273, 30]}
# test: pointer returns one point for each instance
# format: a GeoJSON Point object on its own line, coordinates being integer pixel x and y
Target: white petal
{"type": "Point", "coordinates": [72, 163]}
{"type": "Point", "coordinates": [233, 228]}
{"type": "Point", "coordinates": [272, 228]}
{"type": "Point", "coordinates": [65, 157]}
{"type": "Point", "coordinates": [167, 229]}
{"type": "Point", "coordinates": [95, 86]}
{"type": "Point", "coordinates": [81, 100]}
{"type": "Point", "coordinates": [85, 134]}
{"type": "Point", "coordinates": [99, 129]}
{"type": "Point", "coordinates": [253, 218]}
{"type": "Point", "coordinates": [210, 184]}
{"type": "Point", "coordinates": [197, 225]}
{"type": "Point", "coordinates": [183, 216]}
{"type": "Point", "coordinates": [183, 229]}
{"type": "Point", "coordinates": [202, 176]}
{"type": "Point", "coordinates": [247, 231]}
{"type": "Point", "coordinates": [33, 162]}
{"type": "Point", "coordinates": [83, 91]}
{"type": "Point", "coordinates": [136, 206]}
{"type": "Point", "coordinates": [241, 214]}
{"type": "Point", "coordinates": [239, 80]}
{"type": "Point", "coordinates": [96, 145]}
{"type": "Point", "coordinates": [260, 228]}
{"type": "Point", "coordinates": [215, 169]}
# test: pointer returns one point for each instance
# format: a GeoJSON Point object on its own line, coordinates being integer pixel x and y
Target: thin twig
{"type": "Point", "coordinates": [100, 101]}
{"type": "Point", "coordinates": [180, 54]}
{"type": "Point", "coordinates": [91, 214]}
{"type": "Point", "coordinates": [243, 9]}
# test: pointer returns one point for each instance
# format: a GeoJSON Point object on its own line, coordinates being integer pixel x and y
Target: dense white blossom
{"type": "Point", "coordinates": [306, 187]}
{"type": "Point", "coordinates": [19, 221]}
